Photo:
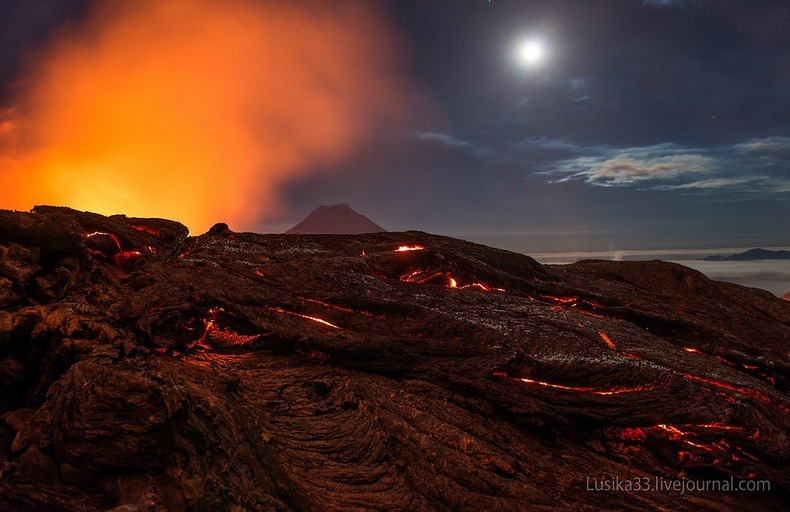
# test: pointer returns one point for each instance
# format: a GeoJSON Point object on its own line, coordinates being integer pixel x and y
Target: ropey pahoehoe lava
{"type": "Point", "coordinates": [145, 368]}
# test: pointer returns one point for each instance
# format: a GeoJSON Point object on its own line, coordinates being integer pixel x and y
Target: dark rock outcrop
{"type": "Point", "coordinates": [145, 370]}
{"type": "Point", "coordinates": [338, 219]}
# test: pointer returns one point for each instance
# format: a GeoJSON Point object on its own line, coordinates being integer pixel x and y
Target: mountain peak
{"type": "Point", "coordinates": [338, 219]}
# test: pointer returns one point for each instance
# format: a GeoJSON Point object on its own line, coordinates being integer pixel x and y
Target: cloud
{"type": "Point", "coordinates": [663, 3]}
{"type": "Point", "coordinates": [443, 138]}
{"type": "Point", "coordinates": [532, 149]}
{"type": "Point", "coordinates": [633, 165]}
{"type": "Point", "coordinates": [677, 4]}
{"type": "Point", "coordinates": [757, 167]}
{"type": "Point", "coordinates": [765, 144]}
{"type": "Point", "coordinates": [715, 183]}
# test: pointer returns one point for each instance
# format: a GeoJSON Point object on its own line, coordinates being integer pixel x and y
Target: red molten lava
{"type": "Point", "coordinates": [562, 302]}
{"type": "Point", "coordinates": [148, 229]}
{"type": "Point", "coordinates": [109, 235]}
{"type": "Point", "coordinates": [615, 390]}
{"type": "Point", "coordinates": [120, 257]}
{"type": "Point", "coordinates": [605, 337]}
{"type": "Point", "coordinates": [404, 248]}
{"type": "Point", "coordinates": [753, 393]}
{"type": "Point", "coordinates": [340, 308]}
{"type": "Point", "coordinates": [312, 318]}
{"type": "Point", "coordinates": [426, 277]}
{"type": "Point", "coordinates": [695, 436]}
{"type": "Point", "coordinates": [215, 335]}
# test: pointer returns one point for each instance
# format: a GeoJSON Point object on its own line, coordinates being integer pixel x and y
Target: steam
{"type": "Point", "coordinates": [196, 110]}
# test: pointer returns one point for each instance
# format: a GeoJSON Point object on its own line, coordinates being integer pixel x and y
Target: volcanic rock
{"type": "Point", "coordinates": [337, 219]}
{"type": "Point", "coordinates": [141, 369]}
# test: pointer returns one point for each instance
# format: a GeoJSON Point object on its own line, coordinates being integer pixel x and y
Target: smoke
{"type": "Point", "coordinates": [197, 110]}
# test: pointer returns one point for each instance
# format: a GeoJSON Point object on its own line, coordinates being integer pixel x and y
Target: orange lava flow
{"type": "Point", "coordinates": [423, 277]}
{"type": "Point", "coordinates": [577, 304]}
{"type": "Point", "coordinates": [312, 318]}
{"type": "Point", "coordinates": [483, 287]}
{"type": "Point", "coordinates": [148, 229]}
{"type": "Point", "coordinates": [753, 393]}
{"type": "Point", "coordinates": [605, 337]}
{"type": "Point", "coordinates": [404, 248]}
{"type": "Point", "coordinates": [121, 257]}
{"type": "Point", "coordinates": [720, 450]}
{"type": "Point", "coordinates": [595, 391]}
{"type": "Point", "coordinates": [216, 335]}
{"type": "Point", "coordinates": [110, 235]}
{"type": "Point", "coordinates": [340, 308]}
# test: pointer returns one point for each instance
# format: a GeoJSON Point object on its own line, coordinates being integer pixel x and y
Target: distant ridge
{"type": "Point", "coordinates": [337, 219]}
{"type": "Point", "coordinates": [786, 296]}
{"type": "Point", "coordinates": [751, 255]}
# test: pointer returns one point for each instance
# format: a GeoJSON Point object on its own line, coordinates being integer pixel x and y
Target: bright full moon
{"type": "Point", "coordinates": [531, 52]}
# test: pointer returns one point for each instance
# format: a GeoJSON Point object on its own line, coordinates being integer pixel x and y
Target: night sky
{"type": "Point", "coordinates": [641, 125]}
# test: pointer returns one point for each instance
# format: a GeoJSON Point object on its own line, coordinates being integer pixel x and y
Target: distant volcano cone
{"type": "Point", "coordinates": [336, 219]}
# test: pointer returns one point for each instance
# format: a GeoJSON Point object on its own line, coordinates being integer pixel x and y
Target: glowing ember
{"type": "Point", "coordinates": [690, 349]}
{"type": "Point", "coordinates": [404, 248]}
{"type": "Point", "coordinates": [452, 283]}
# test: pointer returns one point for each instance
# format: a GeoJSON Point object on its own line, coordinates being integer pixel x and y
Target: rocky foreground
{"type": "Point", "coordinates": [142, 369]}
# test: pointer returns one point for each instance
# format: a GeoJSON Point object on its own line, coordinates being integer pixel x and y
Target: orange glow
{"type": "Point", "coordinates": [753, 393]}
{"type": "Point", "coordinates": [111, 235]}
{"type": "Point", "coordinates": [313, 318]}
{"type": "Point", "coordinates": [148, 229]}
{"type": "Point", "coordinates": [197, 110]}
{"type": "Point", "coordinates": [718, 451]}
{"type": "Point", "coordinates": [423, 277]}
{"type": "Point", "coordinates": [605, 337]}
{"type": "Point", "coordinates": [214, 334]}
{"type": "Point", "coordinates": [484, 287]}
{"type": "Point", "coordinates": [616, 390]}
{"type": "Point", "coordinates": [340, 308]}
{"type": "Point", "coordinates": [404, 248]}
{"type": "Point", "coordinates": [690, 349]}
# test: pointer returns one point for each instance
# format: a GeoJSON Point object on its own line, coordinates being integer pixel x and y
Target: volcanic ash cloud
{"type": "Point", "coordinates": [197, 110]}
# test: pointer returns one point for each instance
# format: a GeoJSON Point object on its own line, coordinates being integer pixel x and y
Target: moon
{"type": "Point", "coordinates": [531, 52]}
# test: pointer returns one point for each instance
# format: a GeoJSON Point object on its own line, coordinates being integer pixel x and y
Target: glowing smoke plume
{"type": "Point", "coordinates": [196, 110]}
